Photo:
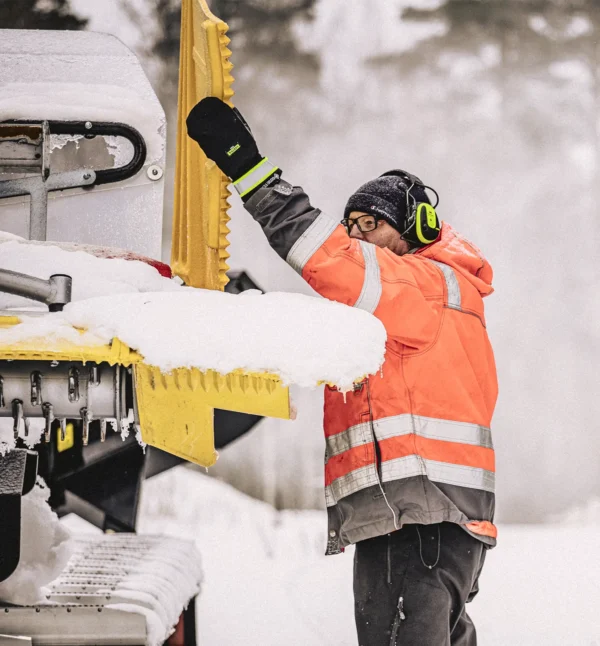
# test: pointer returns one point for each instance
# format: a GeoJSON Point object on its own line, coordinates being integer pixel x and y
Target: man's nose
{"type": "Point", "coordinates": [355, 232]}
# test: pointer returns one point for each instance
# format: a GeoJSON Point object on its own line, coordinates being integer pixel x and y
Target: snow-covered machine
{"type": "Point", "coordinates": [82, 163]}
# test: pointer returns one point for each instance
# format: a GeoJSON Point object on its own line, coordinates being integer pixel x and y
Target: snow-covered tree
{"type": "Point", "coordinates": [39, 14]}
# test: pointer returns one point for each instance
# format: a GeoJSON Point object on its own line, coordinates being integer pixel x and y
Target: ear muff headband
{"type": "Point", "coordinates": [423, 224]}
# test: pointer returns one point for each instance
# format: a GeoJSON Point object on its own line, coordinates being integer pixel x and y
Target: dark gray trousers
{"type": "Point", "coordinates": [401, 601]}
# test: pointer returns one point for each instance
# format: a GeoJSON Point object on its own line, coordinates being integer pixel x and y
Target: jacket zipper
{"type": "Point", "coordinates": [378, 458]}
{"type": "Point", "coordinates": [375, 442]}
{"type": "Point", "coordinates": [398, 619]}
{"type": "Point", "coordinates": [389, 559]}
{"type": "Point", "coordinates": [412, 424]}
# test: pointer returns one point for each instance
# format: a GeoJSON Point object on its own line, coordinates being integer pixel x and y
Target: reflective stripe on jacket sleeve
{"type": "Point", "coordinates": [359, 274]}
{"type": "Point", "coordinates": [370, 294]}
{"type": "Point", "coordinates": [307, 244]}
{"type": "Point", "coordinates": [314, 238]}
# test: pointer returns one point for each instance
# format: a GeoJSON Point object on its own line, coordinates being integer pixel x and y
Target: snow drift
{"type": "Point", "coordinates": [45, 550]}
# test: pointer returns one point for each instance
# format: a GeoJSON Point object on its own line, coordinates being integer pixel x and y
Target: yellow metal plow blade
{"type": "Point", "coordinates": [190, 397]}
{"type": "Point", "coordinates": [199, 248]}
{"type": "Point", "coordinates": [50, 350]}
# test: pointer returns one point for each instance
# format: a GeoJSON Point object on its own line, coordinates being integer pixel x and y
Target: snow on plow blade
{"type": "Point", "coordinates": [174, 411]}
{"type": "Point", "coordinates": [199, 248]}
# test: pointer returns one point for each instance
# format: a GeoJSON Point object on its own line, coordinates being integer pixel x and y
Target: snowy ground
{"type": "Point", "coordinates": [268, 583]}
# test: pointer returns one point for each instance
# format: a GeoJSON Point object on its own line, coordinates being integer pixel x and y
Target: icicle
{"type": "Point", "coordinates": [6, 447]}
{"type": "Point", "coordinates": [344, 395]}
{"type": "Point", "coordinates": [124, 424]}
{"type": "Point", "coordinates": [138, 437]}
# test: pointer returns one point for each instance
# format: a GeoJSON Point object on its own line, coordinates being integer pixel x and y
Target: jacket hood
{"type": "Point", "coordinates": [453, 249]}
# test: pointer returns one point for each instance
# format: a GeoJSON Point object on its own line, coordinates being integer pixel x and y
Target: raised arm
{"type": "Point", "coordinates": [350, 271]}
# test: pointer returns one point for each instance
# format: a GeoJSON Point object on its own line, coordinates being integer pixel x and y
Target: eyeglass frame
{"type": "Point", "coordinates": [355, 221]}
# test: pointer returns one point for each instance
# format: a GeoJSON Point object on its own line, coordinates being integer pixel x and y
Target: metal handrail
{"type": "Point", "coordinates": [54, 292]}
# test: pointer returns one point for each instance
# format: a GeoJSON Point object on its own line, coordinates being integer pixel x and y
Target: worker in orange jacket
{"type": "Point", "coordinates": [409, 461]}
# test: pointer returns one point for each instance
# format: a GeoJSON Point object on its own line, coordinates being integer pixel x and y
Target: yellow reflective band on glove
{"type": "Point", "coordinates": [255, 177]}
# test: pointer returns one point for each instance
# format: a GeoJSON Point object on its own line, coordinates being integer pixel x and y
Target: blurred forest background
{"type": "Point", "coordinates": [493, 102]}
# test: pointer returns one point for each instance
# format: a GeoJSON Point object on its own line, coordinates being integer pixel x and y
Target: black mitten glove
{"type": "Point", "coordinates": [225, 138]}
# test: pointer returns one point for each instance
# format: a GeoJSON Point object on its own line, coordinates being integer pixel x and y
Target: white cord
{"type": "Point", "coordinates": [396, 521]}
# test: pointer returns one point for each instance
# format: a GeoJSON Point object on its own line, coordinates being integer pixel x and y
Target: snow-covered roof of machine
{"type": "Point", "coordinates": [77, 76]}
{"type": "Point", "coordinates": [303, 339]}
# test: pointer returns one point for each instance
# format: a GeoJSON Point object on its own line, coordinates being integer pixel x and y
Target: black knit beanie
{"type": "Point", "coordinates": [386, 196]}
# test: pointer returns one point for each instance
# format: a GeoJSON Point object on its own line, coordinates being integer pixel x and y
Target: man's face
{"type": "Point", "coordinates": [384, 235]}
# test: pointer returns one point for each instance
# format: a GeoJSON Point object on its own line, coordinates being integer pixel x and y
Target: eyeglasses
{"type": "Point", "coordinates": [365, 223]}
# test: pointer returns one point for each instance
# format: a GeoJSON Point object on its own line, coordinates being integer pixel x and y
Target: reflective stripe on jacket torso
{"type": "Point", "coordinates": [411, 444]}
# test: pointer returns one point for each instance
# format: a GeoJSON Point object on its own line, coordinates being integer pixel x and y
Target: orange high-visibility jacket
{"type": "Point", "coordinates": [411, 444]}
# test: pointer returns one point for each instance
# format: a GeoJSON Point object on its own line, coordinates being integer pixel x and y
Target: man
{"type": "Point", "coordinates": [409, 467]}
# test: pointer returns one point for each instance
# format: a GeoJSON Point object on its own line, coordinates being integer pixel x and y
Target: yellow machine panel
{"type": "Point", "coordinates": [199, 248]}
{"type": "Point", "coordinates": [189, 398]}
{"type": "Point", "coordinates": [175, 409]}
{"type": "Point", "coordinates": [69, 440]}
{"type": "Point", "coordinates": [51, 350]}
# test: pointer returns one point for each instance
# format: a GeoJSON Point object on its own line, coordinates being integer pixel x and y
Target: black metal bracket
{"type": "Point", "coordinates": [91, 129]}
{"type": "Point", "coordinates": [102, 128]}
